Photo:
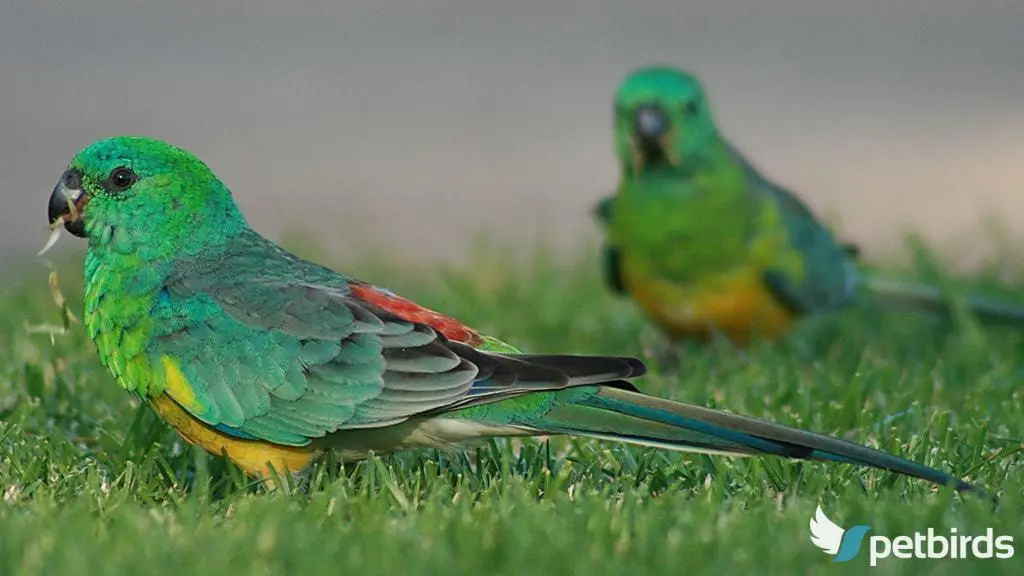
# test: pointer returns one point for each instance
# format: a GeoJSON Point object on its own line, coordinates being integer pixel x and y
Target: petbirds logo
{"type": "Point", "coordinates": [845, 544]}
{"type": "Point", "coordinates": [834, 540]}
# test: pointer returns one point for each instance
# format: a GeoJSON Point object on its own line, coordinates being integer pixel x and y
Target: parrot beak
{"type": "Point", "coordinates": [651, 128]}
{"type": "Point", "coordinates": [67, 202]}
{"type": "Point", "coordinates": [650, 123]}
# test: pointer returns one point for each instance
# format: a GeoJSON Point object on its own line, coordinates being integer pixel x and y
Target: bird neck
{"type": "Point", "coordinates": [120, 294]}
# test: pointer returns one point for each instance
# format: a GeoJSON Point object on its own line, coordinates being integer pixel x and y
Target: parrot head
{"type": "Point", "coordinates": [141, 195]}
{"type": "Point", "coordinates": [662, 120]}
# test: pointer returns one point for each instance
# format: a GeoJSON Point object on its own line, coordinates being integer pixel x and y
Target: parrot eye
{"type": "Point", "coordinates": [121, 179]}
{"type": "Point", "coordinates": [691, 108]}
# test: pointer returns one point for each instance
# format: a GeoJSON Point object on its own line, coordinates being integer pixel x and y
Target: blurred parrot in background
{"type": "Point", "coordinates": [250, 351]}
{"type": "Point", "coordinates": [707, 245]}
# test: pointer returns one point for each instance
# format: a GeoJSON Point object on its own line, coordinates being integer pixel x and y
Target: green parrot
{"type": "Point", "coordinates": [250, 351]}
{"type": "Point", "coordinates": [706, 244]}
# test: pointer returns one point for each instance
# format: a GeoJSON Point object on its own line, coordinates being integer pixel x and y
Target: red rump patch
{"type": "Point", "coordinates": [413, 312]}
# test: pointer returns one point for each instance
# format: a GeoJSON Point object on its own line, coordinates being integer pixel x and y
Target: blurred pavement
{"type": "Point", "coordinates": [392, 125]}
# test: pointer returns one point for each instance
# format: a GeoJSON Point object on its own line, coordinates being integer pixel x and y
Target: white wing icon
{"type": "Point", "coordinates": [825, 534]}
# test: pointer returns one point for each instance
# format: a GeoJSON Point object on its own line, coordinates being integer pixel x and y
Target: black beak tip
{"type": "Point", "coordinates": [57, 209]}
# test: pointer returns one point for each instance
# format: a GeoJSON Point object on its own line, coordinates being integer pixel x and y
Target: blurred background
{"type": "Point", "coordinates": [412, 127]}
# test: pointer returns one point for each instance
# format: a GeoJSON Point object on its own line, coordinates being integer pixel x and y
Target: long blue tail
{"type": "Point", "coordinates": [627, 416]}
{"type": "Point", "coordinates": [927, 299]}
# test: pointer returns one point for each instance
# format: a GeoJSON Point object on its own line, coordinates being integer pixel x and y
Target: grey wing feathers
{"type": "Point", "coordinates": [294, 355]}
{"type": "Point", "coordinates": [831, 278]}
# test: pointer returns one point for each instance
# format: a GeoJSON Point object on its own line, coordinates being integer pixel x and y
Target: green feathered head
{"type": "Point", "coordinates": [134, 194]}
{"type": "Point", "coordinates": [662, 120]}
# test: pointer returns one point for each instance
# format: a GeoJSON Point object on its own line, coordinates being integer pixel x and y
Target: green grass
{"type": "Point", "coordinates": [91, 483]}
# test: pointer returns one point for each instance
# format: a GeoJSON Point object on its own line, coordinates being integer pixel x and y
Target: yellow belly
{"type": "Point", "coordinates": [736, 304]}
{"type": "Point", "coordinates": [253, 456]}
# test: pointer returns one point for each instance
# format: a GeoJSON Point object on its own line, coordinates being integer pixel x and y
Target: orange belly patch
{"type": "Point", "coordinates": [253, 456]}
{"type": "Point", "coordinates": [736, 304]}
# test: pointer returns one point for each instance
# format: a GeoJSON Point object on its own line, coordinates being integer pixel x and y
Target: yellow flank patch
{"type": "Point", "coordinates": [177, 387]}
{"type": "Point", "coordinates": [735, 303]}
{"type": "Point", "coordinates": [255, 457]}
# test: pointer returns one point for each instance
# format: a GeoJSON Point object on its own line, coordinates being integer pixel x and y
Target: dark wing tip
{"type": "Point", "coordinates": [782, 290]}
{"type": "Point", "coordinates": [621, 385]}
{"type": "Point", "coordinates": [578, 366]}
{"type": "Point", "coordinates": [636, 365]}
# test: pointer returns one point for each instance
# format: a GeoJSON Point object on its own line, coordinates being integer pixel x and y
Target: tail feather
{"type": "Point", "coordinates": [930, 300]}
{"type": "Point", "coordinates": [632, 417]}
